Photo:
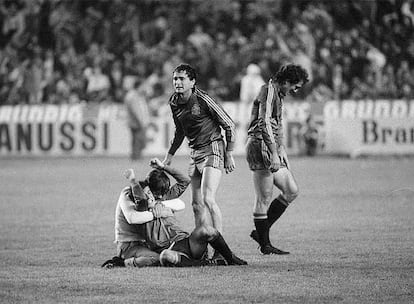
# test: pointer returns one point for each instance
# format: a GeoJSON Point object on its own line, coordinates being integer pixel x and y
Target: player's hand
{"type": "Point", "coordinates": [274, 163]}
{"type": "Point", "coordinates": [283, 157]}
{"type": "Point", "coordinates": [229, 164]}
{"type": "Point", "coordinates": [167, 160]}
{"type": "Point", "coordinates": [157, 164]}
{"type": "Point", "coordinates": [160, 210]}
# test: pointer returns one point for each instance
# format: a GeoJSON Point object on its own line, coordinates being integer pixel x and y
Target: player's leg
{"type": "Point", "coordinates": [204, 235]}
{"type": "Point", "coordinates": [133, 254]}
{"type": "Point", "coordinates": [201, 214]}
{"type": "Point", "coordinates": [284, 180]}
{"type": "Point", "coordinates": [263, 186]}
{"type": "Point", "coordinates": [209, 184]}
{"type": "Point", "coordinates": [142, 257]}
{"type": "Point", "coordinates": [263, 181]}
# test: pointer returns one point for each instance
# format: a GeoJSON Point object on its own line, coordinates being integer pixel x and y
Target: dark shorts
{"type": "Point", "coordinates": [258, 155]}
{"type": "Point", "coordinates": [209, 156]}
{"type": "Point", "coordinates": [183, 246]}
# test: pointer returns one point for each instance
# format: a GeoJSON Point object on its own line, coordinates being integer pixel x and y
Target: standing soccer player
{"type": "Point", "coordinates": [201, 119]}
{"type": "Point", "coordinates": [266, 154]}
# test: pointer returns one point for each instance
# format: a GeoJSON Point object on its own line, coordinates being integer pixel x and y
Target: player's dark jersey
{"type": "Point", "coordinates": [200, 119]}
{"type": "Point", "coordinates": [163, 231]}
{"type": "Point", "coordinates": [266, 116]}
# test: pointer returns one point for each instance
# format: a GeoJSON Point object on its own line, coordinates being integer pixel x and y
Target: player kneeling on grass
{"type": "Point", "coordinates": [147, 231]}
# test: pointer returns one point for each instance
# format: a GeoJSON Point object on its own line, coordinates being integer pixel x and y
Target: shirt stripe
{"type": "Point", "coordinates": [224, 119]}
{"type": "Point", "coordinates": [269, 108]}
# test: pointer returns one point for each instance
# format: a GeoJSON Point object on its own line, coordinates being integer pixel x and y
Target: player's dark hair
{"type": "Point", "coordinates": [191, 73]}
{"type": "Point", "coordinates": [158, 182]}
{"type": "Point", "coordinates": [291, 73]}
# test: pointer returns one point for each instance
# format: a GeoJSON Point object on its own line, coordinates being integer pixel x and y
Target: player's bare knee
{"type": "Point", "coordinates": [291, 195]}
{"type": "Point", "coordinates": [207, 232]}
{"type": "Point", "coordinates": [169, 257]}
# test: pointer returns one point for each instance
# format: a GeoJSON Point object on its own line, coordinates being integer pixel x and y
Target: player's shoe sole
{"type": "Point", "coordinates": [267, 249]}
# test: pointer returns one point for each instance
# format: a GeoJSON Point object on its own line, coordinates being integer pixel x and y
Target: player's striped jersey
{"type": "Point", "coordinates": [266, 116]}
{"type": "Point", "coordinates": [200, 119]}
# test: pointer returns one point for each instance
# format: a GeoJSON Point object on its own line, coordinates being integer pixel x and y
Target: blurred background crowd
{"type": "Point", "coordinates": [57, 51]}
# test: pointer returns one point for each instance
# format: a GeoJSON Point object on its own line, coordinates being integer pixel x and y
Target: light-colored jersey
{"type": "Point", "coordinates": [124, 231]}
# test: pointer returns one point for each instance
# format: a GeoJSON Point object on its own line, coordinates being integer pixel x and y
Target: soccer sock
{"type": "Point", "coordinates": [262, 228]}
{"type": "Point", "coordinates": [276, 209]}
{"type": "Point", "coordinates": [220, 245]}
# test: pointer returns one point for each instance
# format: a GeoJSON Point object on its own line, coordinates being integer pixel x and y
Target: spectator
{"type": "Point", "coordinates": [249, 89]}
{"type": "Point", "coordinates": [138, 119]}
{"type": "Point", "coordinates": [97, 83]}
{"type": "Point", "coordinates": [310, 135]}
{"type": "Point", "coordinates": [200, 39]}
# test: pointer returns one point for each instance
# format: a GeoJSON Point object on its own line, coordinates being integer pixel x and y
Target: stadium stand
{"type": "Point", "coordinates": [56, 52]}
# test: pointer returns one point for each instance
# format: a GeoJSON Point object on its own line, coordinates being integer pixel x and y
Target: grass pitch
{"type": "Point", "coordinates": [350, 234]}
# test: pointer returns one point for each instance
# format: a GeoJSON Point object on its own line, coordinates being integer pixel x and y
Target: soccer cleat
{"type": "Point", "coordinates": [269, 249]}
{"type": "Point", "coordinates": [218, 259]}
{"type": "Point", "coordinates": [114, 262]}
{"type": "Point", "coordinates": [237, 261]}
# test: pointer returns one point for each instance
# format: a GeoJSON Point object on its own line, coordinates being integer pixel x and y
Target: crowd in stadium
{"type": "Point", "coordinates": [57, 51]}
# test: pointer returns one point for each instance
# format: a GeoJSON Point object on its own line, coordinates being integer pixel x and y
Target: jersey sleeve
{"type": "Point", "coordinates": [182, 182]}
{"type": "Point", "coordinates": [265, 116]}
{"type": "Point", "coordinates": [178, 135]}
{"type": "Point", "coordinates": [223, 119]}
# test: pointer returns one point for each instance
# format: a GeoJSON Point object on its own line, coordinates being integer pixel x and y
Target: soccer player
{"type": "Point", "coordinates": [201, 119]}
{"type": "Point", "coordinates": [151, 205]}
{"type": "Point", "coordinates": [266, 154]}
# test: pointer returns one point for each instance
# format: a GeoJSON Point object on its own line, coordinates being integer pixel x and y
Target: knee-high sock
{"type": "Point", "coordinates": [262, 228]}
{"type": "Point", "coordinates": [219, 244]}
{"type": "Point", "coordinates": [276, 209]}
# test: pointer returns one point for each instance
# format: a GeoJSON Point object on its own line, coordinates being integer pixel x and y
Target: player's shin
{"type": "Point", "coordinates": [220, 245]}
{"type": "Point", "coordinates": [276, 209]}
{"type": "Point", "coordinates": [262, 228]}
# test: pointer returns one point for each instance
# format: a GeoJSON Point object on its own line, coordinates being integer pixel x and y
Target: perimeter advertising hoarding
{"type": "Point", "coordinates": [101, 129]}
{"type": "Point", "coordinates": [346, 127]}
{"type": "Point", "coordinates": [78, 129]}
{"type": "Point", "coordinates": [369, 127]}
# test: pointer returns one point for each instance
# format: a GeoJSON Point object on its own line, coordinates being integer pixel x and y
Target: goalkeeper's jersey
{"type": "Point", "coordinates": [266, 116]}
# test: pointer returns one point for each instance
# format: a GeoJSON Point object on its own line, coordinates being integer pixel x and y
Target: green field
{"type": "Point", "coordinates": [350, 234]}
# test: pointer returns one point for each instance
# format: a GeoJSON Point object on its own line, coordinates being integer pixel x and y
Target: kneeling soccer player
{"type": "Point", "coordinates": [147, 231]}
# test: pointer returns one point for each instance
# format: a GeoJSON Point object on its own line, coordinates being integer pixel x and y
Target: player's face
{"type": "Point", "coordinates": [182, 84]}
{"type": "Point", "coordinates": [291, 88]}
